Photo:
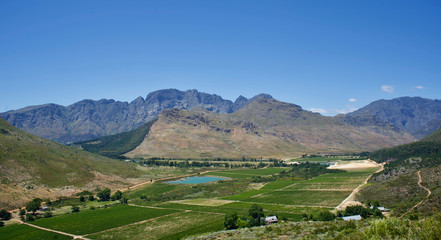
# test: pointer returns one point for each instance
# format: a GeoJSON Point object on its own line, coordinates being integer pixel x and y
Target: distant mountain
{"type": "Point", "coordinates": [89, 119]}
{"type": "Point", "coordinates": [415, 115]}
{"type": "Point", "coordinates": [263, 128]}
{"type": "Point", "coordinates": [31, 167]}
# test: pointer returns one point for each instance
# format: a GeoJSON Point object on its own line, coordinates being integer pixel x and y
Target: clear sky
{"type": "Point", "coordinates": [328, 56]}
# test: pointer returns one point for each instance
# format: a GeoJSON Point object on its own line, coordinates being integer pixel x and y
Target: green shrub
{"type": "Point", "coordinates": [75, 209]}
{"type": "Point", "coordinates": [29, 217]}
{"type": "Point", "coordinates": [5, 215]}
{"type": "Point", "coordinates": [47, 215]}
{"type": "Point", "coordinates": [230, 221]}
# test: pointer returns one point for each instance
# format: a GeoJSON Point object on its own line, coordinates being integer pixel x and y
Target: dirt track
{"type": "Point", "coordinates": [420, 180]}
{"type": "Point", "coordinates": [350, 200]}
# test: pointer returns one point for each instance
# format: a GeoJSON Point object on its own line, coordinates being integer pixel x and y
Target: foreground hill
{"type": "Point", "coordinates": [397, 186]}
{"type": "Point", "coordinates": [415, 115]}
{"type": "Point", "coordinates": [89, 119]}
{"type": "Point", "coordinates": [34, 167]}
{"type": "Point", "coordinates": [263, 128]}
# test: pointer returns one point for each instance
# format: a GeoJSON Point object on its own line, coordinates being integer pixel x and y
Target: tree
{"type": "Point", "coordinates": [375, 204]}
{"type": "Point", "coordinates": [117, 195]}
{"type": "Point", "coordinates": [22, 212]}
{"type": "Point", "coordinates": [33, 206]}
{"type": "Point", "coordinates": [29, 217]}
{"type": "Point", "coordinates": [2, 224]}
{"type": "Point", "coordinates": [91, 198]}
{"type": "Point", "coordinates": [324, 215]}
{"type": "Point", "coordinates": [104, 195]}
{"type": "Point", "coordinates": [75, 209]}
{"type": "Point", "coordinates": [5, 215]}
{"type": "Point", "coordinates": [378, 213]}
{"type": "Point", "coordinates": [368, 203]}
{"type": "Point", "coordinates": [82, 199]}
{"type": "Point", "coordinates": [365, 212]}
{"type": "Point", "coordinates": [256, 214]}
{"type": "Point", "coordinates": [124, 200]}
{"type": "Point", "coordinates": [47, 215]}
{"type": "Point", "coordinates": [230, 221]}
{"type": "Point", "coordinates": [242, 223]}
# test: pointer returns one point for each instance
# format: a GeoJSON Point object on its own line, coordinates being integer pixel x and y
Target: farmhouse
{"type": "Point", "coordinates": [271, 219]}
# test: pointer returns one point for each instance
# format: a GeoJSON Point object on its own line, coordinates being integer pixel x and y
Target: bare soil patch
{"type": "Point", "coordinates": [353, 165]}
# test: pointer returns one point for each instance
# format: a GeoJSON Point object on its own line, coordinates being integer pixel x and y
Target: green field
{"type": "Point", "coordinates": [24, 232]}
{"type": "Point", "coordinates": [174, 226]}
{"type": "Point", "coordinates": [170, 211]}
{"type": "Point", "coordinates": [101, 219]}
{"type": "Point", "coordinates": [303, 198]}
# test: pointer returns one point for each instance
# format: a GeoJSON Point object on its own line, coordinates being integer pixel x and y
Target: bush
{"type": "Point", "coordinates": [82, 199]}
{"type": "Point", "coordinates": [75, 209]}
{"type": "Point", "coordinates": [116, 196]}
{"type": "Point", "coordinates": [33, 205]}
{"type": "Point", "coordinates": [5, 215]}
{"type": "Point", "coordinates": [256, 214]}
{"type": "Point", "coordinates": [324, 215]}
{"type": "Point", "coordinates": [22, 212]}
{"type": "Point", "coordinates": [29, 217]}
{"type": "Point", "coordinates": [104, 195]}
{"type": "Point", "coordinates": [47, 215]}
{"type": "Point", "coordinates": [91, 198]}
{"type": "Point", "coordinates": [230, 221]}
{"type": "Point", "coordinates": [242, 223]}
{"type": "Point", "coordinates": [2, 224]}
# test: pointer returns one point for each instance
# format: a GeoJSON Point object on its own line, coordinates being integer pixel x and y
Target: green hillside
{"type": "Point", "coordinates": [434, 137]}
{"type": "Point", "coordinates": [115, 145]}
{"type": "Point", "coordinates": [428, 148]}
{"type": "Point", "coordinates": [31, 166]}
{"type": "Point", "coordinates": [397, 186]}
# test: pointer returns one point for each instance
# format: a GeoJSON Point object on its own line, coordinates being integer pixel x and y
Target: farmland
{"type": "Point", "coordinates": [159, 210]}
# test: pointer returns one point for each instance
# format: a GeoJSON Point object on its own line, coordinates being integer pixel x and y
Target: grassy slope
{"type": "Point", "coordinates": [38, 165]}
{"type": "Point", "coordinates": [393, 228]}
{"type": "Point", "coordinates": [396, 187]}
{"type": "Point", "coordinates": [116, 145]}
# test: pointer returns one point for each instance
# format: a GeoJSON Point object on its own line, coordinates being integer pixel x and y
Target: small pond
{"type": "Point", "coordinates": [196, 180]}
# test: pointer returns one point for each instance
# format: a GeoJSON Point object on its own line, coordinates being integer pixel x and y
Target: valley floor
{"type": "Point", "coordinates": [158, 210]}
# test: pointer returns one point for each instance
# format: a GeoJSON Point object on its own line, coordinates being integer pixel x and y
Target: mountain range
{"type": "Point", "coordinates": [90, 119]}
{"type": "Point", "coordinates": [415, 115]}
{"type": "Point", "coordinates": [264, 127]}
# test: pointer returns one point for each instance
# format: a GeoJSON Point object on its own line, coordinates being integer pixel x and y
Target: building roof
{"type": "Point", "coordinates": [354, 217]}
{"type": "Point", "coordinates": [271, 219]}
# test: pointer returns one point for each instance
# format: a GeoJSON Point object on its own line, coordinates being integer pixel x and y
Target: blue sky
{"type": "Point", "coordinates": [328, 56]}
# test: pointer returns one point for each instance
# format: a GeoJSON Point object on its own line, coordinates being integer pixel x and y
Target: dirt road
{"type": "Point", "coordinates": [350, 200]}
